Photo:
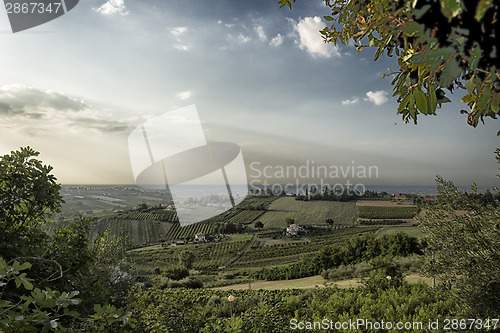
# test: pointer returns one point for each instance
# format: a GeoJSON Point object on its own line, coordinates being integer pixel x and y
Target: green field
{"type": "Point", "coordinates": [307, 212]}
{"type": "Point", "coordinates": [392, 212]}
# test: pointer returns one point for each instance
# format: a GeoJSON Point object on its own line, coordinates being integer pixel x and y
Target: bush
{"type": "Point", "coordinates": [189, 283]}
{"type": "Point", "coordinates": [346, 271]}
{"type": "Point", "coordinates": [176, 272]}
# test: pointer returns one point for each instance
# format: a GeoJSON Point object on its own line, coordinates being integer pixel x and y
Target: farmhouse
{"type": "Point", "coordinates": [293, 229]}
{"type": "Point", "coordinates": [200, 237]}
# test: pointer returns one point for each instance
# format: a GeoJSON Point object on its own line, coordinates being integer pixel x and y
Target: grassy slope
{"type": "Point", "coordinates": [307, 212]}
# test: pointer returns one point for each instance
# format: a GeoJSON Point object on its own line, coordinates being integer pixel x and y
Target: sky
{"type": "Point", "coordinates": [260, 76]}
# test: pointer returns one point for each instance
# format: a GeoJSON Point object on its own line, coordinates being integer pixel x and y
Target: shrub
{"type": "Point", "coordinates": [176, 272]}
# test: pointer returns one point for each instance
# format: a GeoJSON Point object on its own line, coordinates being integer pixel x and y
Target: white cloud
{"type": "Point", "coordinates": [355, 100]}
{"type": "Point", "coordinates": [182, 47]}
{"type": "Point", "coordinates": [21, 100]}
{"type": "Point", "coordinates": [241, 39]}
{"type": "Point", "coordinates": [378, 97]}
{"type": "Point", "coordinates": [277, 40]}
{"type": "Point", "coordinates": [178, 32]}
{"type": "Point", "coordinates": [260, 33]}
{"type": "Point", "coordinates": [227, 25]}
{"type": "Point", "coordinates": [311, 39]}
{"type": "Point", "coordinates": [112, 7]}
{"type": "Point", "coordinates": [183, 95]}
{"type": "Point", "coordinates": [34, 110]}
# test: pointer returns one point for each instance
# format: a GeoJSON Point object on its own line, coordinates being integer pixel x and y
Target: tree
{"type": "Point", "coordinates": [439, 44]}
{"type": "Point", "coordinates": [176, 272]}
{"type": "Point", "coordinates": [29, 195]}
{"type": "Point", "coordinates": [464, 248]}
{"type": "Point", "coordinates": [62, 259]}
{"type": "Point", "coordinates": [258, 225]}
{"type": "Point", "coordinates": [330, 222]}
{"type": "Point", "coordinates": [186, 259]}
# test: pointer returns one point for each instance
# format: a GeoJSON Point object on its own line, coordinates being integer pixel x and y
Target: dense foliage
{"type": "Point", "coordinates": [464, 247]}
{"type": "Point", "coordinates": [181, 310]}
{"type": "Point", "coordinates": [41, 272]}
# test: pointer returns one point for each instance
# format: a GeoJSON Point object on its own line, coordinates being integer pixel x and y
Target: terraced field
{"type": "Point", "coordinates": [208, 257]}
{"type": "Point", "coordinates": [237, 252]}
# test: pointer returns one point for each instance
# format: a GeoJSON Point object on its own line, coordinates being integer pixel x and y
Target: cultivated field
{"type": "Point", "coordinates": [381, 203]}
{"type": "Point", "coordinates": [385, 210]}
{"type": "Point", "coordinates": [307, 212]}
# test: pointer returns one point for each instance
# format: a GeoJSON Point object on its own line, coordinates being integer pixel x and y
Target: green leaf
{"type": "Point", "coordinates": [27, 285]}
{"type": "Point", "coordinates": [421, 11]}
{"type": "Point", "coordinates": [432, 100]}
{"type": "Point", "coordinates": [484, 98]}
{"type": "Point", "coordinates": [414, 29]}
{"type": "Point", "coordinates": [470, 85]}
{"type": "Point", "coordinates": [328, 18]}
{"type": "Point", "coordinates": [420, 100]}
{"type": "Point", "coordinates": [481, 9]}
{"type": "Point", "coordinates": [405, 102]}
{"type": "Point", "coordinates": [451, 72]}
{"type": "Point", "coordinates": [24, 266]}
{"type": "Point", "coordinates": [468, 98]}
{"type": "Point", "coordinates": [451, 8]}
{"type": "Point", "coordinates": [495, 107]}
{"type": "Point", "coordinates": [413, 112]}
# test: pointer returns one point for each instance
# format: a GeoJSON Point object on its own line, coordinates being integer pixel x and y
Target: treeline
{"type": "Point", "coordinates": [355, 250]}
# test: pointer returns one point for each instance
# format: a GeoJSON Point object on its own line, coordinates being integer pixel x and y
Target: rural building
{"type": "Point", "coordinates": [293, 229]}
{"type": "Point", "coordinates": [400, 197]}
{"type": "Point", "coordinates": [199, 237]}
